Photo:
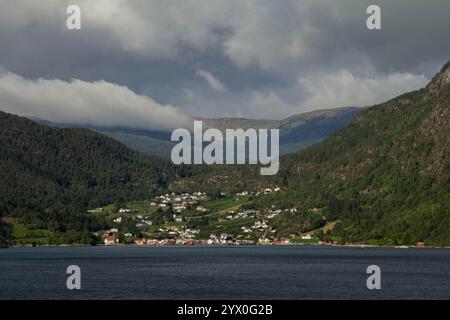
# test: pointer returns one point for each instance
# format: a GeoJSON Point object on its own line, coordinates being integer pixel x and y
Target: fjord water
{"type": "Point", "coordinates": [245, 272]}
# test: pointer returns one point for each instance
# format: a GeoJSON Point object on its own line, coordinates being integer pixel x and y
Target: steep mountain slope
{"type": "Point", "coordinates": [386, 176]}
{"type": "Point", "coordinates": [300, 131]}
{"type": "Point", "coordinates": [383, 179]}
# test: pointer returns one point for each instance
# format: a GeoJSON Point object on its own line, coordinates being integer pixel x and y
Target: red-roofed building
{"type": "Point", "coordinates": [110, 240]}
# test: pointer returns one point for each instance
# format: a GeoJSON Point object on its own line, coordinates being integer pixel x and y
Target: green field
{"type": "Point", "coordinates": [226, 203]}
{"type": "Point", "coordinates": [22, 235]}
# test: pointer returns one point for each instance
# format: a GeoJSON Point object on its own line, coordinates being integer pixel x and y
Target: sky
{"type": "Point", "coordinates": [153, 63]}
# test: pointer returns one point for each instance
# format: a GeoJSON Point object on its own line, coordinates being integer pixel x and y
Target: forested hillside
{"type": "Point", "coordinates": [4, 233]}
{"type": "Point", "coordinates": [386, 176]}
{"type": "Point", "coordinates": [383, 179]}
{"type": "Point", "coordinates": [50, 176]}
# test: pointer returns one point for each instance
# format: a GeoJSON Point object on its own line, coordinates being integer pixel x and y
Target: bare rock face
{"type": "Point", "coordinates": [441, 80]}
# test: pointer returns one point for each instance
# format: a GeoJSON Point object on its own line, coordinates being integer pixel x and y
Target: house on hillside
{"type": "Point", "coordinates": [111, 240]}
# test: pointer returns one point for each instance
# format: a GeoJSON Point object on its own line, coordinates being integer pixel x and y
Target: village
{"type": "Point", "coordinates": [195, 219]}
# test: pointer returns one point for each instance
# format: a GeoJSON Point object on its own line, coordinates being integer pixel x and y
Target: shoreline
{"type": "Point", "coordinates": [227, 246]}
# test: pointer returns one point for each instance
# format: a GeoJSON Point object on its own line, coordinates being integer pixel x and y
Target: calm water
{"type": "Point", "coordinates": [291, 272]}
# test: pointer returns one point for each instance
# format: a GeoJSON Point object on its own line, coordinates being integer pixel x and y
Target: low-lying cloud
{"type": "Point", "coordinates": [88, 103]}
{"type": "Point", "coordinates": [345, 89]}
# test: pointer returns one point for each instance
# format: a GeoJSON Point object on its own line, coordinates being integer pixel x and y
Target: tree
{"type": "Point", "coordinates": [5, 232]}
{"type": "Point", "coordinates": [213, 194]}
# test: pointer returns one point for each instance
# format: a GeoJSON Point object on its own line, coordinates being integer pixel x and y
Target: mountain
{"type": "Point", "coordinates": [300, 131]}
{"type": "Point", "coordinates": [386, 176]}
{"type": "Point", "coordinates": [382, 179]}
{"type": "Point", "coordinates": [296, 132]}
{"type": "Point", "coordinates": [52, 175]}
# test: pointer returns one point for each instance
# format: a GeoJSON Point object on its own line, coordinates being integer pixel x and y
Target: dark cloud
{"type": "Point", "coordinates": [257, 58]}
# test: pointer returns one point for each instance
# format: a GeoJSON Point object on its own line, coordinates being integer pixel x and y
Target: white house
{"type": "Point", "coordinates": [111, 240]}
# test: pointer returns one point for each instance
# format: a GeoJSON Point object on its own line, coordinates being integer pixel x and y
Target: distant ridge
{"type": "Point", "coordinates": [296, 132]}
{"type": "Point", "coordinates": [49, 176]}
